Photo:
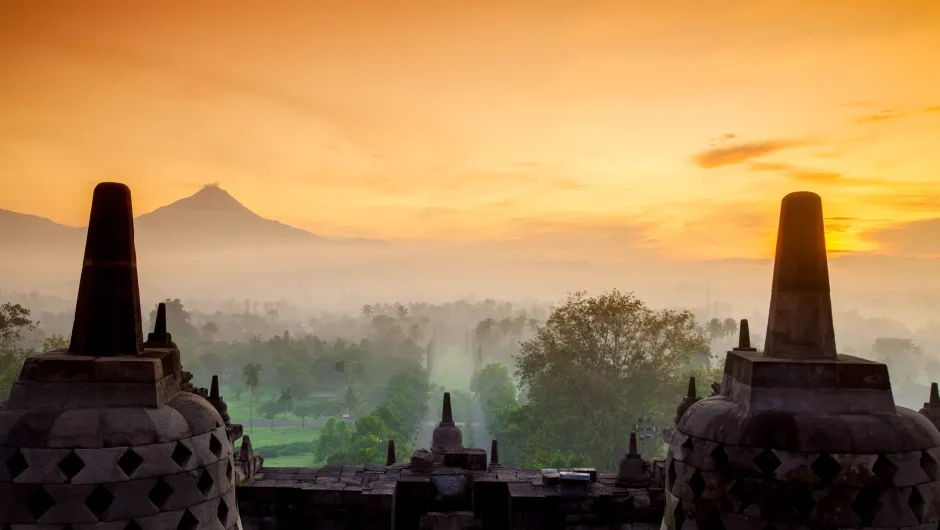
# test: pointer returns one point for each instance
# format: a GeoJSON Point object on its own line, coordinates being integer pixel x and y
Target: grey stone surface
{"type": "Point", "coordinates": [31, 394]}
{"type": "Point", "coordinates": [198, 413]}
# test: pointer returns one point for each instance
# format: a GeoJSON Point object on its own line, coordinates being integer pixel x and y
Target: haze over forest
{"type": "Point", "coordinates": [420, 175]}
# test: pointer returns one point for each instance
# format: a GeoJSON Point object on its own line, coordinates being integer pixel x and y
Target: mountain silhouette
{"type": "Point", "coordinates": [208, 220]}
{"type": "Point", "coordinates": [212, 217]}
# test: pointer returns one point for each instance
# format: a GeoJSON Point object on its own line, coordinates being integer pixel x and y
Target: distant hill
{"type": "Point", "coordinates": [207, 220]}
{"type": "Point", "coordinates": [23, 230]}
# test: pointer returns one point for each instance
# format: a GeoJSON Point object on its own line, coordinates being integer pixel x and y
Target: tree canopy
{"type": "Point", "coordinates": [590, 371]}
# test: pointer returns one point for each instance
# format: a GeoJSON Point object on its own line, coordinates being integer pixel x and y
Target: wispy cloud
{"type": "Point", "coordinates": [916, 238]}
{"type": "Point", "coordinates": [884, 115]}
{"type": "Point", "coordinates": [934, 108]}
{"type": "Point", "coordinates": [730, 155]}
{"type": "Point", "coordinates": [813, 176]}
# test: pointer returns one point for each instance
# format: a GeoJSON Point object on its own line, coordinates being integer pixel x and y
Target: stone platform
{"type": "Point", "coordinates": [63, 380]}
{"type": "Point", "coordinates": [384, 497]}
{"type": "Point", "coordinates": [844, 384]}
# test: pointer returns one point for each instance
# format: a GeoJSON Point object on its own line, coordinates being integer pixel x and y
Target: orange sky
{"type": "Point", "coordinates": [677, 124]}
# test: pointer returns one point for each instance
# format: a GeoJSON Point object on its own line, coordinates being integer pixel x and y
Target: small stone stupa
{"type": "Point", "coordinates": [99, 435]}
{"type": "Point", "coordinates": [931, 409]}
{"type": "Point", "coordinates": [634, 471]}
{"type": "Point", "coordinates": [446, 436]}
{"type": "Point", "coordinates": [801, 437]}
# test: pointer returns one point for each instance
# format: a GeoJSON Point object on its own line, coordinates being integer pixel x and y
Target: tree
{"type": "Point", "coordinates": [350, 400]}
{"type": "Point", "coordinates": [729, 328]}
{"type": "Point", "coordinates": [401, 312]}
{"type": "Point", "coordinates": [178, 320]}
{"type": "Point", "coordinates": [494, 389]}
{"type": "Point", "coordinates": [286, 399]}
{"type": "Point", "coordinates": [270, 409]}
{"type": "Point", "coordinates": [367, 311]}
{"type": "Point", "coordinates": [305, 409]}
{"type": "Point", "coordinates": [600, 362]}
{"type": "Point", "coordinates": [209, 329]}
{"type": "Point", "coordinates": [334, 436]}
{"type": "Point", "coordinates": [714, 328]}
{"type": "Point", "coordinates": [14, 321]}
{"type": "Point", "coordinates": [251, 373]}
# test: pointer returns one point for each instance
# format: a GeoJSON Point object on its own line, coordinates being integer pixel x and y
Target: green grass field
{"type": "Point", "coordinates": [289, 461]}
{"type": "Point", "coordinates": [263, 435]}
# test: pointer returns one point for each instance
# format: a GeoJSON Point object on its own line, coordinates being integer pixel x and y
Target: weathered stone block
{"type": "Point", "coordinates": [128, 370]}
{"type": "Point", "coordinates": [422, 461]}
{"type": "Point", "coordinates": [63, 368]}
{"type": "Point", "coordinates": [550, 477]}
{"type": "Point", "coordinates": [169, 360]}
{"type": "Point", "coordinates": [845, 384]}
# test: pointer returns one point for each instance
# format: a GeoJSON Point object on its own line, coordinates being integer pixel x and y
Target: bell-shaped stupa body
{"type": "Point", "coordinates": [100, 436]}
{"type": "Point", "coordinates": [447, 435]}
{"type": "Point", "coordinates": [800, 437]}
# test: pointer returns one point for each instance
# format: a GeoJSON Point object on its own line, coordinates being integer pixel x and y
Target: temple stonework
{"type": "Point", "coordinates": [112, 434]}
{"type": "Point", "coordinates": [800, 436]}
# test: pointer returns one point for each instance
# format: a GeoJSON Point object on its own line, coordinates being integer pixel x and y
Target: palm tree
{"type": "Point", "coordinates": [286, 399]}
{"type": "Point", "coordinates": [401, 312]}
{"type": "Point", "coordinates": [251, 373]}
{"type": "Point", "coordinates": [714, 328]}
{"type": "Point", "coordinates": [367, 311]}
{"type": "Point", "coordinates": [730, 327]}
{"type": "Point", "coordinates": [350, 400]}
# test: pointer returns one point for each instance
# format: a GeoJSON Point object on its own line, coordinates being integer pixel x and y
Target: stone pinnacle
{"type": "Point", "coordinates": [691, 391]}
{"type": "Point", "coordinates": [245, 452]}
{"type": "Point", "coordinates": [800, 321]}
{"type": "Point", "coordinates": [390, 454]}
{"type": "Point", "coordinates": [159, 327]}
{"type": "Point", "coordinates": [744, 337]}
{"type": "Point", "coordinates": [446, 415]}
{"type": "Point", "coordinates": [494, 452]}
{"type": "Point", "coordinates": [160, 338]}
{"type": "Point", "coordinates": [214, 388]}
{"type": "Point", "coordinates": [632, 450]}
{"type": "Point", "coordinates": [934, 394]}
{"type": "Point", "coordinates": [107, 313]}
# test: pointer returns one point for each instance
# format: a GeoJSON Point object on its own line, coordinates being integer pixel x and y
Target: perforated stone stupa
{"type": "Point", "coordinates": [99, 435]}
{"type": "Point", "coordinates": [801, 437]}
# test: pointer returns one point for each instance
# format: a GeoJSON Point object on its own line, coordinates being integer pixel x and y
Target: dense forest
{"type": "Point", "coordinates": [557, 386]}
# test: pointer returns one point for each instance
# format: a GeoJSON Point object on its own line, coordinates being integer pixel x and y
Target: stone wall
{"type": "Point", "coordinates": [385, 497]}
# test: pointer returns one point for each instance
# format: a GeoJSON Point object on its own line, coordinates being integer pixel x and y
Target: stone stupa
{"type": "Point", "coordinates": [446, 436]}
{"type": "Point", "coordinates": [99, 435]}
{"type": "Point", "coordinates": [800, 436]}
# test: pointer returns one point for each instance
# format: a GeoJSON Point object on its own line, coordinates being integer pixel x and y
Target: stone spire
{"type": "Point", "coordinates": [160, 338]}
{"type": "Point", "coordinates": [800, 321]}
{"type": "Point", "coordinates": [689, 400]}
{"type": "Point", "coordinates": [446, 415]}
{"type": "Point", "coordinates": [107, 313]}
{"type": "Point", "coordinates": [216, 400]}
{"type": "Point", "coordinates": [744, 337]}
{"type": "Point", "coordinates": [446, 436]}
{"type": "Point", "coordinates": [634, 471]}
{"type": "Point", "coordinates": [390, 454]}
{"type": "Point", "coordinates": [494, 453]}
{"type": "Point", "coordinates": [931, 409]}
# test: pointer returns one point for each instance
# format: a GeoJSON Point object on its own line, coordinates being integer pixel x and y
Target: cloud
{"type": "Point", "coordinates": [925, 200]}
{"type": "Point", "coordinates": [934, 108]}
{"type": "Point", "coordinates": [915, 238]}
{"type": "Point", "coordinates": [813, 176]}
{"type": "Point", "coordinates": [884, 115]}
{"type": "Point", "coordinates": [769, 166]}
{"type": "Point", "coordinates": [740, 153]}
